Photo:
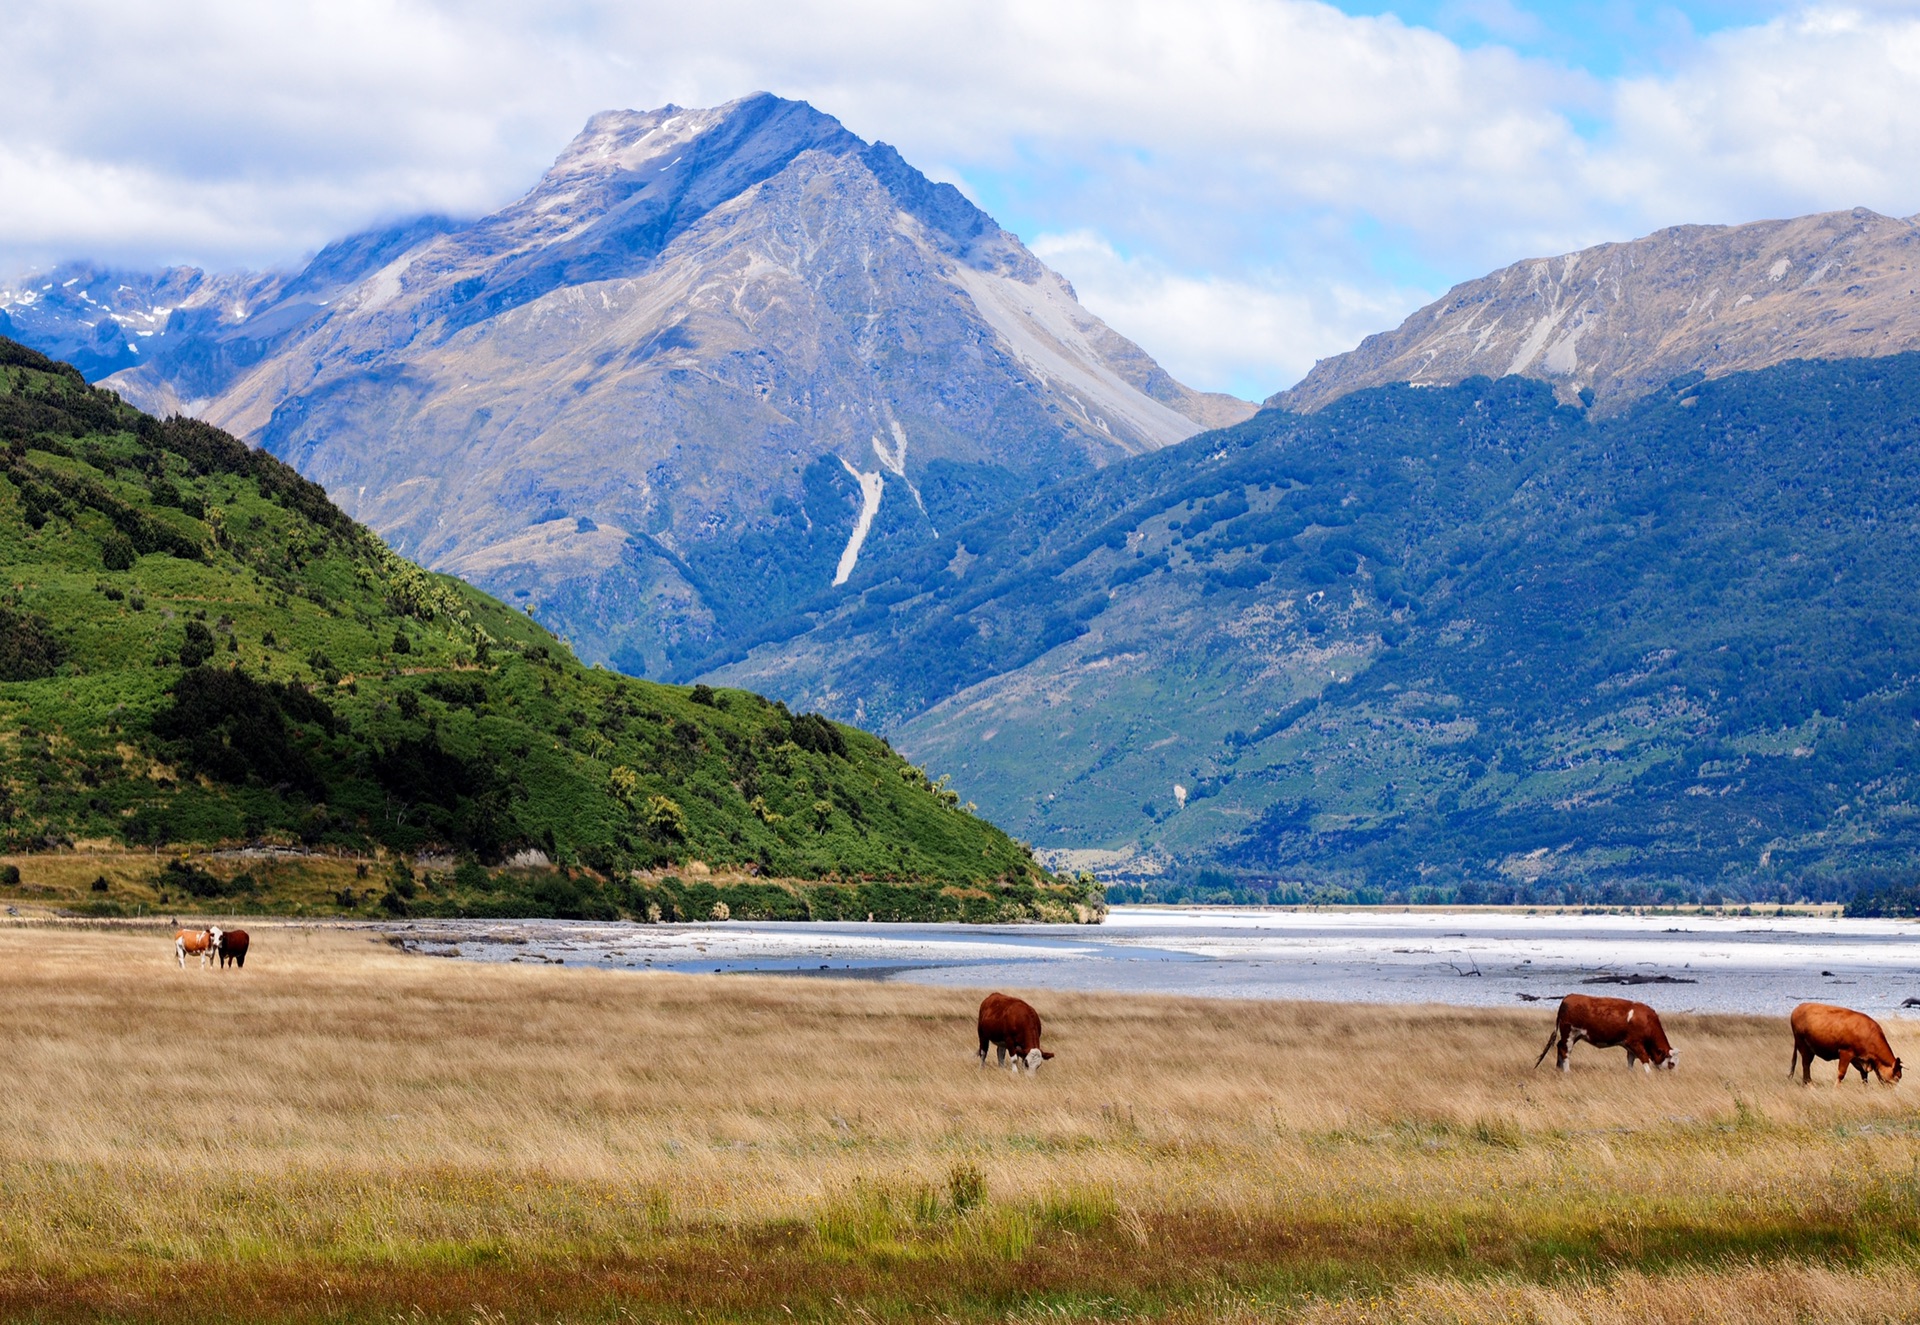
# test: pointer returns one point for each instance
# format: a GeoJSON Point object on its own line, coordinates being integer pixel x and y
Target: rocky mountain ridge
{"type": "Point", "coordinates": [1609, 324]}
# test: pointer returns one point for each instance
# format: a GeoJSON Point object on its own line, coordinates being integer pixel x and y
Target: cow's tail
{"type": "Point", "coordinates": [1551, 1037]}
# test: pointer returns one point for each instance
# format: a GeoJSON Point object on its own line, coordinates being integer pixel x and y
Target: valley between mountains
{"type": "Point", "coordinates": [1590, 582]}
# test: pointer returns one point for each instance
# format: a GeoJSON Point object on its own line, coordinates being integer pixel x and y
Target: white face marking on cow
{"type": "Point", "coordinates": [1033, 1059]}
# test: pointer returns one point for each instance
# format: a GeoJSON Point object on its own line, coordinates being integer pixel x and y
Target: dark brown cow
{"type": "Point", "coordinates": [1014, 1027]}
{"type": "Point", "coordinates": [1821, 1030]}
{"type": "Point", "coordinates": [1610, 1023]}
{"type": "Point", "coordinates": [233, 947]}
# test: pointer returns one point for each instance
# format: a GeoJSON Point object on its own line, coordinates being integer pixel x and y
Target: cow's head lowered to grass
{"type": "Point", "coordinates": [1013, 1027]}
{"type": "Point", "coordinates": [1608, 1023]}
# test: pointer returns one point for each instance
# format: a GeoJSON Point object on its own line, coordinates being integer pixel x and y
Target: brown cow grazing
{"type": "Point", "coordinates": [203, 943]}
{"type": "Point", "coordinates": [1610, 1023]}
{"type": "Point", "coordinates": [1823, 1031]}
{"type": "Point", "coordinates": [1014, 1027]}
{"type": "Point", "coordinates": [233, 947]}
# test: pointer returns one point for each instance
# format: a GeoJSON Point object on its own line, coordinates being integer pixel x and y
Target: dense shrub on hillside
{"type": "Point", "coordinates": [180, 876]}
{"type": "Point", "coordinates": [232, 727]}
{"type": "Point", "coordinates": [28, 649]}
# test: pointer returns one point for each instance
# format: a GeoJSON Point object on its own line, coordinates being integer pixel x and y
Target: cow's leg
{"type": "Point", "coordinates": [1564, 1059]}
{"type": "Point", "coordinates": [1846, 1061]}
{"type": "Point", "coordinates": [983, 1050]}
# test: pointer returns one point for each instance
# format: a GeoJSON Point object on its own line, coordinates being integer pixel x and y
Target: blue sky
{"type": "Point", "coordinates": [1605, 38]}
{"type": "Point", "coordinates": [1242, 186]}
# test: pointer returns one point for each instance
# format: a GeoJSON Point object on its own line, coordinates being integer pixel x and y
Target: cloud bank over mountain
{"type": "Point", "coordinates": [1300, 173]}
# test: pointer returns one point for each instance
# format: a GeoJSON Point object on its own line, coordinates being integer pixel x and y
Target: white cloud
{"type": "Point", "coordinates": [1218, 333]}
{"type": "Point", "coordinates": [1814, 111]}
{"type": "Point", "coordinates": [1282, 176]}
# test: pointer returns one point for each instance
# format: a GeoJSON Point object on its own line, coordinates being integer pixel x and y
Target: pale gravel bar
{"type": "Point", "coordinates": [1737, 963]}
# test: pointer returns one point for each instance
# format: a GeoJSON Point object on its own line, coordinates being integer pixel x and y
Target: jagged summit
{"type": "Point", "coordinates": [1618, 321]}
{"type": "Point", "coordinates": [713, 367]}
{"type": "Point", "coordinates": [632, 182]}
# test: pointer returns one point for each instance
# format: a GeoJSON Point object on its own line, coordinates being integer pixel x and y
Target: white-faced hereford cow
{"type": "Point", "coordinates": [1610, 1023]}
{"type": "Point", "coordinates": [1821, 1030]}
{"type": "Point", "coordinates": [203, 943]}
{"type": "Point", "coordinates": [1014, 1027]}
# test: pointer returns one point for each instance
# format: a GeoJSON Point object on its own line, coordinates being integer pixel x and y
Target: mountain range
{"type": "Point", "coordinates": [714, 361]}
{"type": "Point", "coordinates": [1584, 582]}
{"type": "Point", "coordinates": [1437, 643]}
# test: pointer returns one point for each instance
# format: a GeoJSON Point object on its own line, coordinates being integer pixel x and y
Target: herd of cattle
{"type": "Point", "coordinates": [1011, 1026]}
{"type": "Point", "coordinates": [1819, 1031]}
{"type": "Point", "coordinates": [226, 945]}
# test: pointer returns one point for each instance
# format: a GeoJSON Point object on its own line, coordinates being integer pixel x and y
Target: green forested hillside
{"type": "Point", "coordinates": [197, 648]}
{"type": "Point", "coordinates": [1445, 643]}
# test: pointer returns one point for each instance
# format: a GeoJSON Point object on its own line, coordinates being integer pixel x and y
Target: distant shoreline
{"type": "Point", "coordinates": [1706, 963]}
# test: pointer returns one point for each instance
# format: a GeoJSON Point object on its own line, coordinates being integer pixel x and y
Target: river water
{"type": "Point", "coordinates": [1681, 964]}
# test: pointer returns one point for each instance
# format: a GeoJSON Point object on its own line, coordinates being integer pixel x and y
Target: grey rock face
{"type": "Point", "coordinates": [714, 365]}
{"type": "Point", "coordinates": [1622, 320]}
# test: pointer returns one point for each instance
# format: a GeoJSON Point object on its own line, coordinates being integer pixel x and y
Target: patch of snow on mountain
{"type": "Point", "coordinates": [871, 486]}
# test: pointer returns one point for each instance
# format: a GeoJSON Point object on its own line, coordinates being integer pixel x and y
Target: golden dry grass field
{"type": "Point", "coordinates": [343, 1132]}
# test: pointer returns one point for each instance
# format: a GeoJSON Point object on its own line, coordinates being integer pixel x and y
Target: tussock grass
{"type": "Point", "coordinates": [554, 1142]}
